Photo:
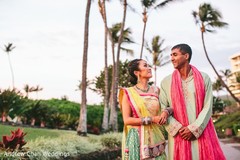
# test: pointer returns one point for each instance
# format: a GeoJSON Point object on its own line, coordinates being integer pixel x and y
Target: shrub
{"type": "Point", "coordinates": [15, 141]}
{"type": "Point", "coordinates": [111, 140]}
{"type": "Point", "coordinates": [63, 147]}
{"type": "Point", "coordinates": [236, 128]}
{"type": "Point", "coordinates": [227, 121]}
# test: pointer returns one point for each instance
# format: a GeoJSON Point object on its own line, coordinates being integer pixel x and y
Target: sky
{"type": "Point", "coordinates": [49, 34]}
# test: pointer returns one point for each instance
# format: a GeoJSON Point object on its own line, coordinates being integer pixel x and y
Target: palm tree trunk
{"type": "Point", "coordinates": [220, 78]}
{"type": "Point", "coordinates": [112, 104]}
{"type": "Point", "coordinates": [155, 71]}
{"type": "Point", "coordinates": [106, 96]}
{"type": "Point", "coordinates": [82, 125]}
{"type": "Point", "coordinates": [33, 120]}
{"type": "Point", "coordinates": [144, 29]}
{"type": "Point", "coordinates": [4, 116]}
{"type": "Point", "coordinates": [9, 60]}
{"type": "Point", "coordinates": [115, 105]}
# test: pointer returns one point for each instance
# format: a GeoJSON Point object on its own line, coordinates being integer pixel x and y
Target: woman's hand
{"type": "Point", "coordinates": [163, 118]}
{"type": "Point", "coordinates": [156, 119]}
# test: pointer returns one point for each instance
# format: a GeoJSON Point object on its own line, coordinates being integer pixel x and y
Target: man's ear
{"type": "Point", "coordinates": [187, 56]}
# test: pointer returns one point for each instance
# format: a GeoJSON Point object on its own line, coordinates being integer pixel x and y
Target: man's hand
{"type": "Point", "coordinates": [186, 134]}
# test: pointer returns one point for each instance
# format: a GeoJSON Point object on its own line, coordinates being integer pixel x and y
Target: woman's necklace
{"type": "Point", "coordinates": [143, 90]}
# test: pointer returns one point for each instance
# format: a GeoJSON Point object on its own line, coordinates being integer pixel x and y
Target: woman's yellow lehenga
{"type": "Point", "coordinates": [144, 141]}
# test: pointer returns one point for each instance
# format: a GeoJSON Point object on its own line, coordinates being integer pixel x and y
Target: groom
{"type": "Point", "coordinates": [189, 92]}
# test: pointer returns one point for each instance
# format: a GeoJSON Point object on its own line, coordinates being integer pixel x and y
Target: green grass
{"type": "Point", "coordinates": [34, 133]}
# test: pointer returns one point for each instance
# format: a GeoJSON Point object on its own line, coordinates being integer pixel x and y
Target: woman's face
{"type": "Point", "coordinates": [145, 70]}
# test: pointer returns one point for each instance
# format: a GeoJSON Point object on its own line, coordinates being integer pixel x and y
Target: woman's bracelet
{"type": "Point", "coordinates": [169, 111]}
{"type": "Point", "coordinates": [146, 120]}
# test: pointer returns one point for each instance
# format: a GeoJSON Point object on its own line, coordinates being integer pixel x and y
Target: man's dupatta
{"type": "Point", "coordinates": [146, 132]}
{"type": "Point", "coordinates": [209, 148]}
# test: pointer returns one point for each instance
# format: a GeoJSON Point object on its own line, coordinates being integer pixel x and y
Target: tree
{"type": "Point", "coordinates": [156, 51]}
{"type": "Point", "coordinates": [37, 89]}
{"type": "Point", "coordinates": [80, 86]}
{"type": "Point", "coordinates": [217, 86]}
{"type": "Point", "coordinates": [8, 49]}
{"type": "Point", "coordinates": [209, 18]}
{"type": "Point", "coordinates": [126, 39]}
{"type": "Point", "coordinates": [37, 111]}
{"type": "Point", "coordinates": [119, 36]}
{"type": "Point", "coordinates": [123, 78]}
{"type": "Point", "coordinates": [110, 33]}
{"type": "Point", "coordinates": [225, 74]}
{"type": "Point", "coordinates": [82, 125]}
{"type": "Point", "coordinates": [102, 9]}
{"type": "Point", "coordinates": [218, 105]}
{"type": "Point", "coordinates": [113, 115]}
{"type": "Point", "coordinates": [10, 100]}
{"type": "Point", "coordinates": [28, 89]}
{"type": "Point", "coordinates": [147, 6]}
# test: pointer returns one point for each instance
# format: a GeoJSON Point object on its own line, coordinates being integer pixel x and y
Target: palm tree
{"type": "Point", "coordinates": [10, 99]}
{"type": "Point", "coordinates": [226, 73]}
{"type": "Point", "coordinates": [82, 125]}
{"type": "Point", "coordinates": [37, 89]}
{"type": "Point", "coordinates": [209, 18]}
{"type": "Point", "coordinates": [217, 86]}
{"type": "Point", "coordinates": [8, 49]}
{"type": "Point", "coordinates": [126, 39]}
{"type": "Point", "coordinates": [28, 89]}
{"type": "Point", "coordinates": [147, 6]}
{"type": "Point", "coordinates": [80, 86]}
{"type": "Point", "coordinates": [119, 40]}
{"type": "Point", "coordinates": [218, 105]}
{"type": "Point", "coordinates": [156, 50]}
{"type": "Point", "coordinates": [102, 9]}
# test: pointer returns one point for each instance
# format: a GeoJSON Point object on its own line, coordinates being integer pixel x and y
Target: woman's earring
{"type": "Point", "coordinates": [138, 79]}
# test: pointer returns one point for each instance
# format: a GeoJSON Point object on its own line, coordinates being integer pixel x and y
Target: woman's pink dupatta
{"type": "Point", "coordinates": [209, 147]}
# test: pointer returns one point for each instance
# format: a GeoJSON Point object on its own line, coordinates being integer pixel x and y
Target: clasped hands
{"type": "Point", "coordinates": [186, 134]}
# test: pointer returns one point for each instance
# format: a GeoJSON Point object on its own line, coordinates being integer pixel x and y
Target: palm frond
{"type": "Point", "coordinates": [148, 3]}
{"type": "Point", "coordinates": [132, 8]}
{"type": "Point", "coordinates": [148, 60]}
{"type": "Point", "coordinates": [209, 17]}
{"type": "Point", "coordinates": [148, 48]}
{"type": "Point", "coordinates": [9, 47]}
{"type": "Point", "coordinates": [165, 63]}
{"type": "Point", "coordinates": [195, 15]}
{"type": "Point", "coordinates": [128, 51]}
{"type": "Point", "coordinates": [210, 31]}
{"type": "Point", "coordinates": [163, 4]}
{"type": "Point", "coordinates": [218, 24]}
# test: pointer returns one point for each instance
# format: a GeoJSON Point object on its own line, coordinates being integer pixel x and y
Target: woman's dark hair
{"type": "Point", "coordinates": [133, 66]}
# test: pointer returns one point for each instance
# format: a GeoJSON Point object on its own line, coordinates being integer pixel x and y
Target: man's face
{"type": "Point", "coordinates": [178, 58]}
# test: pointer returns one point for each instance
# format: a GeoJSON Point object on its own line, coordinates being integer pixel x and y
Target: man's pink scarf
{"type": "Point", "coordinates": [209, 148]}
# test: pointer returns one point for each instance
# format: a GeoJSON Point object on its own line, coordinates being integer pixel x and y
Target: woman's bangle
{"type": "Point", "coordinates": [146, 120]}
{"type": "Point", "coordinates": [169, 111]}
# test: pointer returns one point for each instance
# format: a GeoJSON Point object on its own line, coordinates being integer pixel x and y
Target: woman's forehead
{"type": "Point", "coordinates": [143, 62]}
